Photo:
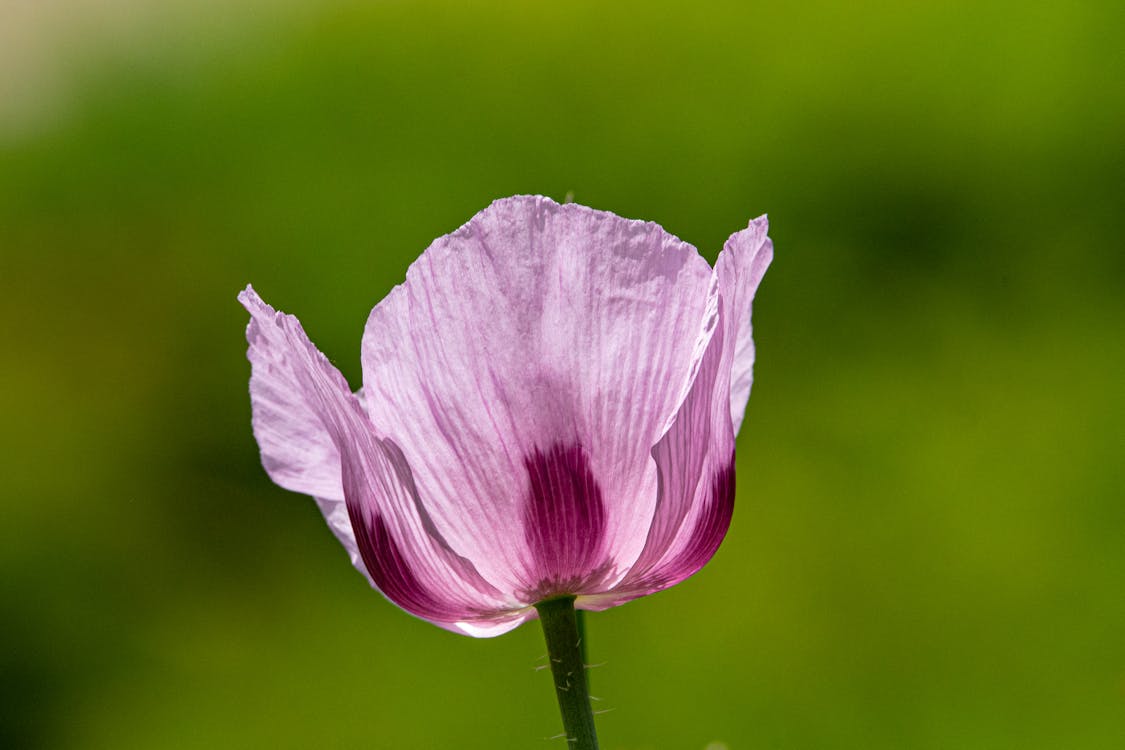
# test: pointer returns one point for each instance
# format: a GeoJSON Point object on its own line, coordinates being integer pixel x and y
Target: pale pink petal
{"type": "Point", "coordinates": [402, 554]}
{"type": "Point", "coordinates": [491, 628]}
{"type": "Point", "coordinates": [699, 444]}
{"type": "Point", "coordinates": [750, 252]}
{"type": "Point", "coordinates": [297, 451]}
{"type": "Point", "coordinates": [540, 347]}
{"type": "Point", "coordinates": [695, 458]}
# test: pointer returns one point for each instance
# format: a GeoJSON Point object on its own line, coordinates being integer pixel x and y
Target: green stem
{"type": "Point", "coordinates": [583, 652]}
{"type": "Point", "coordinates": [564, 649]}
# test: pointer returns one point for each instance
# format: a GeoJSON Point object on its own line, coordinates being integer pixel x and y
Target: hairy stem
{"type": "Point", "coordinates": [564, 649]}
{"type": "Point", "coordinates": [583, 650]}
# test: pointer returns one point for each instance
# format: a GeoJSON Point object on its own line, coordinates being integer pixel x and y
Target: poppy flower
{"type": "Point", "coordinates": [549, 409]}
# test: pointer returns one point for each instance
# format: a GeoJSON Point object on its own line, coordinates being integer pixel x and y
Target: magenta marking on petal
{"type": "Point", "coordinates": [391, 572]}
{"type": "Point", "coordinates": [710, 528]}
{"type": "Point", "coordinates": [564, 521]}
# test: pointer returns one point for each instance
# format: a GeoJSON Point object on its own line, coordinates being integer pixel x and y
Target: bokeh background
{"type": "Point", "coordinates": [928, 549]}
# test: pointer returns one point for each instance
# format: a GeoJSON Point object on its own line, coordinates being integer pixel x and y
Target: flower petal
{"type": "Point", "coordinates": [695, 458]}
{"type": "Point", "coordinates": [748, 254]}
{"type": "Point", "coordinates": [409, 562]}
{"type": "Point", "coordinates": [695, 463]}
{"type": "Point", "coordinates": [401, 553]}
{"type": "Point", "coordinates": [564, 521]}
{"type": "Point", "coordinates": [535, 326]}
{"type": "Point", "coordinates": [297, 451]}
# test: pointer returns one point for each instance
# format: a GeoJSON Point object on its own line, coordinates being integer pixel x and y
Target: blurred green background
{"type": "Point", "coordinates": [929, 544]}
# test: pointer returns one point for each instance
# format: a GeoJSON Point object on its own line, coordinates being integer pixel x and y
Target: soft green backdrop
{"type": "Point", "coordinates": [929, 545]}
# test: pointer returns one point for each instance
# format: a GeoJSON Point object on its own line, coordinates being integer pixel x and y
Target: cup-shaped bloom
{"type": "Point", "coordinates": [549, 407]}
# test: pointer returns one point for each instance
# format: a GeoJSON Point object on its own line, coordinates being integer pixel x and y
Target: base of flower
{"type": "Point", "coordinates": [565, 649]}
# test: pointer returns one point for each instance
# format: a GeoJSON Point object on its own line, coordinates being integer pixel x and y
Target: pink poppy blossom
{"type": "Point", "coordinates": [549, 408]}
